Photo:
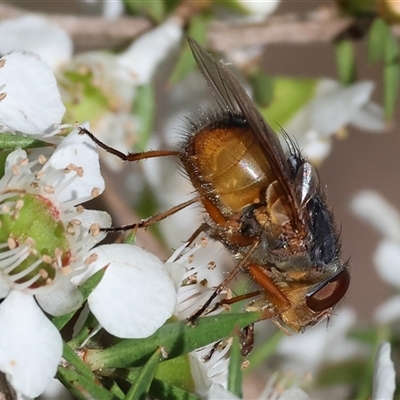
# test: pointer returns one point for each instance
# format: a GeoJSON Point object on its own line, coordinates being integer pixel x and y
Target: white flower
{"type": "Point", "coordinates": [39, 35]}
{"type": "Point", "coordinates": [385, 218]}
{"type": "Point", "coordinates": [332, 107]}
{"type": "Point", "coordinates": [30, 102]}
{"type": "Point", "coordinates": [44, 239]}
{"type": "Point", "coordinates": [145, 54]}
{"type": "Point", "coordinates": [117, 78]}
{"type": "Point", "coordinates": [259, 9]}
{"type": "Point", "coordinates": [195, 275]}
{"type": "Point", "coordinates": [384, 374]}
{"type": "Point", "coordinates": [136, 295]}
{"type": "Point", "coordinates": [274, 390]}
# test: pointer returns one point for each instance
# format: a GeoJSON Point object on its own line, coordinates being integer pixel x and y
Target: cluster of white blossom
{"type": "Point", "coordinates": [49, 241]}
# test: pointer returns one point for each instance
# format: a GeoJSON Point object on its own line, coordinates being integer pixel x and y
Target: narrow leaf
{"type": "Point", "coordinates": [376, 40]}
{"type": "Point", "coordinates": [10, 141]}
{"type": "Point", "coordinates": [176, 338]}
{"type": "Point", "coordinates": [391, 74]}
{"type": "Point", "coordinates": [345, 61]}
{"type": "Point", "coordinates": [144, 108]}
{"type": "Point", "coordinates": [162, 390]}
{"type": "Point", "coordinates": [76, 363]}
{"type": "Point", "coordinates": [83, 388]}
{"type": "Point", "coordinates": [142, 383]}
{"type": "Point", "coordinates": [235, 366]}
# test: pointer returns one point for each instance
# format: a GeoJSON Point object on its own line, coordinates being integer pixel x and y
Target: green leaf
{"type": "Point", "coordinates": [142, 383]}
{"type": "Point", "coordinates": [86, 288]}
{"type": "Point", "coordinates": [176, 372]}
{"type": "Point", "coordinates": [177, 338]}
{"type": "Point", "coordinates": [153, 9]}
{"type": "Point", "coordinates": [345, 60]}
{"type": "Point", "coordinates": [160, 389]}
{"type": "Point", "coordinates": [83, 388]}
{"type": "Point", "coordinates": [10, 141]}
{"type": "Point", "coordinates": [87, 329]}
{"type": "Point", "coordinates": [163, 390]}
{"type": "Point", "coordinates": [376, 41]}
{"type": "Point", "coordinates": [144, 109]}
{"type": "Point", "coordinates": [263, 87]}
{"type": "Point", "coordinates": [235, 366]}
{"type": "Point", "coordinates": [186, 62]}
{"type": "Point", "coordinates": [76, 363]}
{"type": "Point", "coordinates": [391, 75]}
{"type": "Point", "coordinates": [290, 95]}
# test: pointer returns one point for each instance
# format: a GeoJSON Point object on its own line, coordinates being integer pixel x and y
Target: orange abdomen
{"type": "Point", "coordinates": [226, 164]}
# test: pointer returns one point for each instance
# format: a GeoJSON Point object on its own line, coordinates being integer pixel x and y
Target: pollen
{"type": "Point", "coordinates": [16, 170]}
{"type": "Point", "coordinates": [12, 244]}
{"type": "Point", "coordinates": [42, 159]}
{"type": "Point", "coordinates": [211, 265]}
{"type": "Point", "coordinates": [92, 258]}
{"type": "Point", "coordinates": [49, 189]}
{"type": "Point", "coordinates": [43, 273]}
{"type": "Point", "coordinates": [94, 229]}
{"type": "Point", "coordinates": [3, 96]}
{"type": "Point", "coordinates": [95, 192]}
{"type": "Point", "coordinates": [39, 175]}
{"type": "Point", "coordinates": [18, 204]}
{"type": "Point", "coordinates": [46, 259]}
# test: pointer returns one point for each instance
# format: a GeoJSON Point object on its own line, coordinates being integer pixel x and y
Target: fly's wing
{"type": "Point", "coordinates": [231, 97]}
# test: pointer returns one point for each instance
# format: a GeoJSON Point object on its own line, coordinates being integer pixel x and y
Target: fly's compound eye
{"type": "Point", "coordinates": [329, 293]}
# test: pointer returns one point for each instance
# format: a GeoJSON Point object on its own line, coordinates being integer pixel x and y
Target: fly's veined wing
{"type": "Point", "coordinates": [231, 97]}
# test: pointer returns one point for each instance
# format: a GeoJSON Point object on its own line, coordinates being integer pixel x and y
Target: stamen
{"type": "Point", "coordinates": [25, 285]}
{"type": "Point", "coordinates": [26, 271]}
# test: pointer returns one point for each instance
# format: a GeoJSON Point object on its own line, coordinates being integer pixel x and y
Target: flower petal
{"type": "Point", "coordinates": [135, 296]}
{"type": "Point", "coordinates": [384, 374]}
{"type": "Point", "coordinates": [147, 52]}
{"type": "Point", "coordinates": [374, 209]}
{"type": "Point", "coordinates": [32, 103]}
{"type": "Point", "coordinates": [387, 261]}
{"type": "Point", "coordinates": [218, 392]}
{"type": "Point", "coordinates": [389, 311]}
{"type": "Point", "coordinates": [31, 346]}
{"type": "Point", "coordinates": [80, 151]}
{"type": "Point", "coordinates": [38, 35]}
{"type": "Point", "coordinates": [370, 117]}
{"type": "Point", "coordinates": [259, 9]}
{"type": "Point", "coordinates": [62, 299]}
{"type": "Point", "coordinates": [335, 109]}
{"type": "Point", "coordinates": [4, 287]}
